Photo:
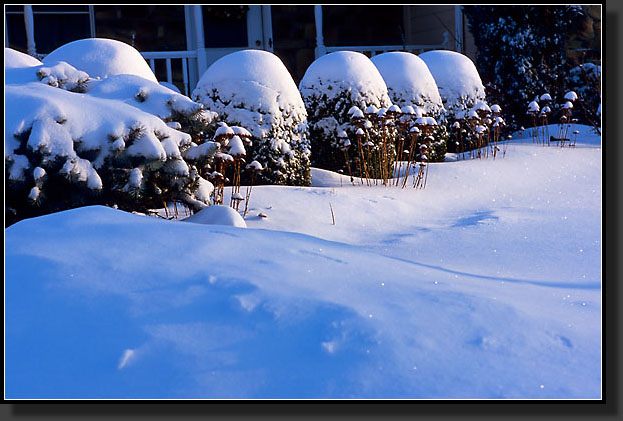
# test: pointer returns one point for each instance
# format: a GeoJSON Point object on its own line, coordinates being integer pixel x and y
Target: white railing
{"type": "Point", "coordinates": [168, 56]}
{"type": "Point", "coordinates": [379, 49]}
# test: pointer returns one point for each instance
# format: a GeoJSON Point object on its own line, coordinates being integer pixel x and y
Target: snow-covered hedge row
{"type": "Point", "coordinates": [72, 140]}
{"type": "Point", "coordinates": [253, 89]}
{"type": "Point", "coordinates": [331, 86]}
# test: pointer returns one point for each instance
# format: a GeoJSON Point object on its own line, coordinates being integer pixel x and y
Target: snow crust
{"type": "Point", "coordinates": [101, 57]}
{"type": "Point", "coordinates": [456, 77]}
{"type": "Point", "coordinates": [408, 80]}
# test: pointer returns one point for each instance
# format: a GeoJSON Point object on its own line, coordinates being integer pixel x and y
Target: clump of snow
{"type": "Point", "coordinates": [218, 215]}
{"type": "Point", "coordinates": [408, 80]}
{"type": "Point", "coordinates": [253, 89]}
{"type": "Point", "coordinates": [101, 57]}
{"type": "Point", "coordinates": [146, 95]}
{"type": "Point", "coordinates": [456, 76]}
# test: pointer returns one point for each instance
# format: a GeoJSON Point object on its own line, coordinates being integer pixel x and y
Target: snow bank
{"type": "Point", "coordinates": [218, 215]}
{"type": "Point", "coordinates": [408, 80]}
{"type": "Point", "coordinates": [101, 57]}
{"type": "Point", "coordinates": [456, 77]}
{"type": "Point", "coordinates": [16, 59]}
{"type": "Point", "coordinates": [253, 89]}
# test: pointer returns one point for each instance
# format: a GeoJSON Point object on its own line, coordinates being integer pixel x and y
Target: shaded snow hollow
{"type": "Point", "coordinates": [487, 284]}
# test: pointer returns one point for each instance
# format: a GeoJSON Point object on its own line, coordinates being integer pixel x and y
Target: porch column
{"type": "Point", "coordinates": [458, 28]}
{"type": "Point", "coordinates": [320, 47]}
{"type": "Point", "coordinates": [201, 53]}
{"type": "Point", "coordinates": [30, 30]}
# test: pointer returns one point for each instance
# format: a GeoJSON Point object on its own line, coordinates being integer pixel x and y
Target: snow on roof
{"type": "Point", "coordinates": [408, 80]}
{"type": "Point", "coordinates": [349, 71]}
{"type": "Point", "coordinates": [456, 77]}
{"type": "Point", "coordinates": [101, 57]}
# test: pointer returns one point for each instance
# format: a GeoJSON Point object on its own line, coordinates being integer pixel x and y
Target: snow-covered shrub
{"type": "Point", "coordinates": [410, 83]}
{"type": "Point", "coordinates": [460, 88]}
{"type": "Point", "coordinates": [253, 89]}
{"type": "Point", "coordinates": [457, 79]}
{"type": "Point", "coordinates": [332, 85]}
{"type": "Point", "coordinates": [107, 143]}
{"type": "Point", "coordinates": [101, 57]}
{"type": "Point", "coordinates": [521, 52]}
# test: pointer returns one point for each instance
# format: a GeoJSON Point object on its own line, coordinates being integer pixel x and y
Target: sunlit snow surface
{"type": "Point", "coordinates": [487, 284]}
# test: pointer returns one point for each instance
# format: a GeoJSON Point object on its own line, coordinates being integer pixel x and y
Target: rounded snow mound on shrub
{"type": "Point", "coordinates": [101, 57]}
{"type": "Point", "coordinates": [217, 215]}
{"type": "Point", "coordinates": [253, 89]}
{"type": "Point", "coordinates": [345, 71]}
{"type": "Point", "coordinates": [16, 59]}
{"type": "Point", "coordinates": [409, 81]}
{"type": "Point", "coordinates": [456, 76]}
